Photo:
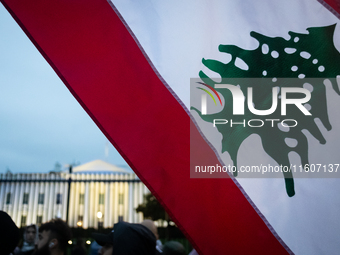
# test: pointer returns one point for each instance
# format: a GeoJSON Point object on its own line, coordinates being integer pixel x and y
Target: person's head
{"type": "Point", "coordinates": [106, 243]}
{"type": "Point", "coordinates": [127, 239]}
{"type": "Point", "coordinates": [53, 237]}
{"type": "Point", "coordinates": [10, 234]}
{"type": "Point", "coordinates": [173, 248]}
{"type": "Point", "coordinates": [151, 225]}
{"type": "Point", "coordinates": [30, 234]}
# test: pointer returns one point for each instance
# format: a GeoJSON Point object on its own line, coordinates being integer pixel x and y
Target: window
{"type": "Point", "coordinates": [39, 220]}
{"type": "Point", "coordinates": [121, 199]}
{"type": "Point", "coordinates": [81, 199]}
{"type": "Point", "coordinates": [58, 199]}
{"type": "Point", "coordinates": [41, 198]}
{"type": "Point", "coordinates": [101, 199]}
{"type": "Point", "coordinates": [23, 221]}
{"type": "Point", "coordinates": [25, 200]}
{"type": "Point", "coordinates": [8, 198]}
{"type": "Point", "coordinates": [120, 218]}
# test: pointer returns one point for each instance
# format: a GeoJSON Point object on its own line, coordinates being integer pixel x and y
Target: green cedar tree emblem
{"type": "Point", "coordinates": [303, 56]}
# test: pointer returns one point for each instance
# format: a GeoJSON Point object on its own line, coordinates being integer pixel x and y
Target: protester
{"type": "Point", "coordinates": [173, 248]}
{"type": "Point", "coordinates": [9, 234]}
{"type": "Point", "coordinates": [30, 238]}
{"type": "Point", "coordinates": [127, 239]}
{"type": "Point", "coordinates": [53, 238]}
{"type": "Point", "coordinates": [151, 225]}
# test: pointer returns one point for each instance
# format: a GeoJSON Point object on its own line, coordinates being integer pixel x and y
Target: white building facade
{"type": "Point", "coordinates": [96, 194]}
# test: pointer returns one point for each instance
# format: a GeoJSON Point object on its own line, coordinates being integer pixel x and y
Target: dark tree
{"type": "Point", "coordinates": [152, 209]}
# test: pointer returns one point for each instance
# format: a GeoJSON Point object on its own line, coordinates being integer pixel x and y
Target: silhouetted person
{"type": "Point", "coordinates": [127, 239]}
{"type": "Point", "coordinates": [9, 234]}
{"type": "Point", "coordinates": [151, 225]}
{"type": "Point", "coordinates": [173, 248]}
{"type": "Point", "coordinates": [53, 238]}
{"type": "Point", "coordinates": [30, 238]}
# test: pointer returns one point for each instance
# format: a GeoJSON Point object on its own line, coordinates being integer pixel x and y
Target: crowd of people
{"type": "Point", "coordinates": [52, 238]}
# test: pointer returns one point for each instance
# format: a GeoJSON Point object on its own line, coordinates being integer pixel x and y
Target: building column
{"type": "Point", "coordinates": [20, 206]}
{"type": "Point", "coordinates": [92, 213]}
{"type": "Point", "coordinates": [107, 196]}
{"type": "Point", "coordinates": [31, 194]}
{"type": "Point", "coordinates": [130, 209]}
{"type": "Point", "coordinates": [56, 192]}
{"type": "Point", "coordinates": [86, 205]}
{"type": "Point", "coordinates": [60, 209]}
{"type": "Point", "coordinates": [122, 191]}
{"type": "Point", "coordinates": [102, 207]}
{"type": "Point", "coordinates": [7, 189]}
{"type": "Point", "coordinates": [12, 190]}
{"type": "Point", "coordinates": [40, 210]}
{"type": "Point", "coordinates": [46, 198]}
{"type": "Point", "coordinates": [141, 200]}
{"type": "Point", "coordinates": [111, 201]}
{"type": "Point", "coordinates": [76, 200]}
{"type": "Point", "coordinates": [64, 207]}
{"type": "Point", "coordinates": [35, 200]}
{"type": "Point", "coordinates": [2, 192]}
{"type": "Point", "coordinates": [45, 190]}
{"type": "Point", "coordinates": [96, 202]}
{"type": "Point", "coordinates": [116, 205]}
{"type": "Point", "coordinates": [16, 198]}
{"type": "Point", "coordinates": [126, 199]}
{"type": "Point", "coordinates": [51, 198]}
{"type": "Point", "coordinates": [135, 195]}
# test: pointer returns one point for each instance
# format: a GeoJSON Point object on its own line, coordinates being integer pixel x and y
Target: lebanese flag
{"type": "Point", "coordinates": [129, 65]}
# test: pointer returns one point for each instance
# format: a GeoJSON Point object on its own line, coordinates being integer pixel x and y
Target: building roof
{"type": "Point", "coordinates": [99, 166]}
